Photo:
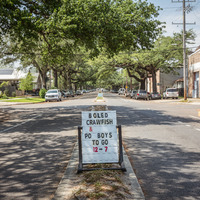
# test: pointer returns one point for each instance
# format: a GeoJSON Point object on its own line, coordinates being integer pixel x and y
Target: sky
{"type": "Point", "coordinates": [173, 12]}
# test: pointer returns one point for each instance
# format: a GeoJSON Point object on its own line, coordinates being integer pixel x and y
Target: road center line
{"type": "Point", "coordinates": [194, 117]}
{"type": "Point", "coordinates": [18, 124]}
{"type": "Point", "coordinates": [188, 125]}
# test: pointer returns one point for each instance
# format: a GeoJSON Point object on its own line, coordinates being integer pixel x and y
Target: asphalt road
{"type": "Point", "coordinates": [35, 146]}
{"type": "Point", "coordinates": [161, 138]}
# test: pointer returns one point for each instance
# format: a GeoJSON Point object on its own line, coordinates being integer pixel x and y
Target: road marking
{"type": "Point", "coordinates": [197, 129]}
{"type": "Point", "coordinates": [188, 125]}
{"type": "Point", "coordinates": [18, 124]}
{"type": "Point", "coordinates": [194, 117]}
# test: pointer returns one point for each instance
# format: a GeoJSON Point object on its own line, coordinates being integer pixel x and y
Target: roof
{"type": "Point", "coordinates": [9, 74]}
{"type": "Point", "coordinates": [196, 51]}
{"type": "Point", "coordinates": [6, 71]}
{"type": "Point", "coordinates": [179, 80]}
{"type": "Point", "coordinates": [197, 48]}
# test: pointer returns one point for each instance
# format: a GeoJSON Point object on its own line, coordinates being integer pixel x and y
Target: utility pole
{"type": "Point", "coordinates": [184, 53]}
{"type": "Point", "coordinates": [184, 43]}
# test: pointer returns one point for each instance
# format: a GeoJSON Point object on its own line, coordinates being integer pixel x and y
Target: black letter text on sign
{"type": "Point", "coordinates": [99, 137]}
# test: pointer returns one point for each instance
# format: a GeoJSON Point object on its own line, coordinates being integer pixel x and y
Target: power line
{"type": "Point", "coordinates": [79, 54]}
{"type": "Point", "coordinates": [184, 41]}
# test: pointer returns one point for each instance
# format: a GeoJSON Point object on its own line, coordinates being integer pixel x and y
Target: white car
{"type": "Point", "coordinates": [53, 95]}
{"type": "Point", "coordinates": [121, 91]}
{"type": "Point", "coordinates": [171, 93]}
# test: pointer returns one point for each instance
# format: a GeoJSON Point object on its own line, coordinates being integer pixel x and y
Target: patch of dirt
{"type": "Point", "coordinates": [102, 184]}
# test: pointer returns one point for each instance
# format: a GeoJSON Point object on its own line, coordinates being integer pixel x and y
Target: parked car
{"type": "Point", "coordinates": [63, 93]}
{"type": "Point", "coordinates": [78, 92]}
{"type": "Point", "coordinates": [113, 91]}
{"type": "Point", "coordinates": [155, 95]}
{"type": "Point", "coordinates": [141, 94]}
{"type": "Point", "coordinates": [69, 93]}
{"type": "Point", "coordinates": [121, 91]}
{"type": "Point", "coordinates": [171, 93]}
{"type": "Point", "coordinates": [133, 92]}
{"type": "Point", "coordinates": [53, 95]}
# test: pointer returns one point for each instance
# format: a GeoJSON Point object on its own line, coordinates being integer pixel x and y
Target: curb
{"type": "Point", "coordinates": [64, 191]}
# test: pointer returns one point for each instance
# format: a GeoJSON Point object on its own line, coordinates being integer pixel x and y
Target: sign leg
{"type": "Point", "coordinates": [80, 165]}
{"type": "Point", "coordinates": [121, 159]}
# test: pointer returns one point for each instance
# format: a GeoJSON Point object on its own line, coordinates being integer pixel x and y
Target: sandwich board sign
{"type": "Point", "coordinates": [99, 141]}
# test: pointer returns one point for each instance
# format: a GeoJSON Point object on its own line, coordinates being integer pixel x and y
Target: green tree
{"type": "Point", "coordinates": [54, 30]}
{"type": "Point", "coordinates": [3, 85]}
{"type": "Point", "coordinates": [167, 56]}
{"type": "Point", "coordinates": [26, 83]}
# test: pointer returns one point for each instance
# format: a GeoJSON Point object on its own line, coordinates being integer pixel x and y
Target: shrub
{"type": "Point", "coordinates": [42, 93]}
{"type": "Point", "coordinates": [13, 94]}
{"type": "Point", "coordinates": [6, 92]}
{"type": "Point", "coordinates": [4, 96]}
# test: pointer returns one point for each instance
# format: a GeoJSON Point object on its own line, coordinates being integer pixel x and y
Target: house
{"type": "Point", "coordinates": [193, 74]}
{"type": "Point", "coordinates": [13, 76]}
{"type": "Point", "coordinates": [165, 80]}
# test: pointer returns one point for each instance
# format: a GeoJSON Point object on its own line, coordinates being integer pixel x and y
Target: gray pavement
{"type": "Point", "coordinates": [189, 101]}
{"type": "Point", "coordinates": [69, 179]}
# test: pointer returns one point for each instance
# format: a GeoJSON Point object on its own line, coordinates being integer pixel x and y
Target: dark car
{"type": "Point", "coordinates": [69, 93]}
{"type": "Point", "coordinates": [141, 94]}
{"type": "Point", "coordinates": [155, 95]}
{"type": "Point", "coordinates": [63, 93]}
{"type": "Point", "coordinates": [114, 91]}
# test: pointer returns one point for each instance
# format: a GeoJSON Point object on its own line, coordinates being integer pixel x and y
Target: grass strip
{"type": "Point", "coordinates": [26, 100]}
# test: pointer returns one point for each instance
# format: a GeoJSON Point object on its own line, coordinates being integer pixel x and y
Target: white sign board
{"type": "Point", "coordinates": [99, 137]}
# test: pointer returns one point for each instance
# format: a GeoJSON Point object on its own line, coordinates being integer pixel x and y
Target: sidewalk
{"type": "Point", "coordinates": [194, 100]}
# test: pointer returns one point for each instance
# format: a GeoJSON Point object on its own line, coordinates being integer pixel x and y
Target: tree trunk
{"type": "Point", "coordinates": [75, 86]}
{"type": "Point", "coordinates": [43, 73]}
{"type": "Point", "coordinates": [131, 85]}
{"type": "Point", "coordinates": [142, 84]}
{"type": "Point", "coordinates": [55, 73]}
{"type": "Point", "coordinates": [43, 77]}
{"type": "Point", "coordinates": [154, 81]}
{"type": "Point", "coordinates": [141, 80]}
{"type": "Point", "coordinates": [69, 81]}
{"type": "Point", "coordinates": [44, 83]}
{"type": "Point", "coordinates": [65, 80]}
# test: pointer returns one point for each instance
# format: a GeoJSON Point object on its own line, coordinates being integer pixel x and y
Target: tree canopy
{"type": "Point", "coordinates": [50, 34]}
{"type": "Point", "coordinates": [166, 56]}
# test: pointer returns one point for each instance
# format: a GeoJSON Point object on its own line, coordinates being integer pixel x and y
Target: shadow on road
{"type": "Point", "coordinates": [170, 165]}
{"type": "Point", "coordinates": [141, 117]}
{"type": "Point", "coordinates": [34, 156]}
